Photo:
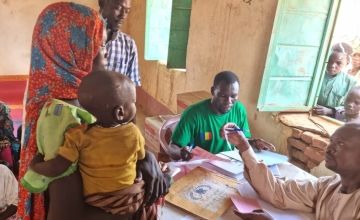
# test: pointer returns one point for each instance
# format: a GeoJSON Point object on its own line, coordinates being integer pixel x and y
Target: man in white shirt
{"type": "Point", "coordinates": [8, 193]}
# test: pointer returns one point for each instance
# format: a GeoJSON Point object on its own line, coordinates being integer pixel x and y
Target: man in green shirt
{"type": "Point", "coordinates": [200, 123]}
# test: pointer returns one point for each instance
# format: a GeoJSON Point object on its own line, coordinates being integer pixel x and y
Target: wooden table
{"type": "Point", "coordinates": [287, 170]}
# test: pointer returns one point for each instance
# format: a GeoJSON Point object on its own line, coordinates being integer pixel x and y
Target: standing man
{"type": "Point", "coordinates": [121, 49]}
{"type": "Point", "coordinates": [200, 123]}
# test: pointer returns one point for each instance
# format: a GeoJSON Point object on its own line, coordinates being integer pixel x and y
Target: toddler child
{"type": "Point", "coordinates": [107, 150]}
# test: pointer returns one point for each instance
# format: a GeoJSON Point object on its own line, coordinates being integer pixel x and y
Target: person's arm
{"type": "Point", "coordinates": [260, 144]}
{"type": "Point", "coordinates": [9, 211]}
{"type": "Point", "coordinates": [182, 137]}
{"type": "Point", "coordinates": [291, 194]}
{"type": "Point", "coordinates": [243, 124]}
{"type": "Point", "coordinates": [50, 168]}
{"type": "Point", "coordinates": [299, 195]}
{"type": "Point", "coordinates": [67, 154]}
{"type": "Point", "coordinates": [155, 183]}
{"type": "Point", "coordinates": [176, 152]}
{"type": "Point", "coordinates": [322, 110]}
{"type": "Point", "coordinates": [257, 143]}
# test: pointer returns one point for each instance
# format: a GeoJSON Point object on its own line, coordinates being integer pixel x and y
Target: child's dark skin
{"type": "Point", "coordinates": [352, 106]}
{"type": "Point", "coordinates": [110, 97]}
{"type": "Point", "coordinates": [337, 61]}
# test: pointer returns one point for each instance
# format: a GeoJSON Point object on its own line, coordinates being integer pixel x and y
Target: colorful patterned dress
{"type": "Point", "coordinates": [66, 39]}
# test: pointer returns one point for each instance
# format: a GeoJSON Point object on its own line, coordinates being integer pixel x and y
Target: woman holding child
{"type": "Point", "coordinates": [65, 48]}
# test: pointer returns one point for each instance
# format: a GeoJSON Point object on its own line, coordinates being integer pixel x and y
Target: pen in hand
{"type": "Point", "coordinates": [233, 129]}
{"type": "Point", "coordinates": [186, 152]}
{"type": "Point", "coordinates": [189, 148]}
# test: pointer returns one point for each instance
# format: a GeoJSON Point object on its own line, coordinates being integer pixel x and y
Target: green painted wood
{"type": "Point", "coordinates": [157, 29]}
{"type": "Point", "coordinates": [179, 33]}
{"type": "Point", "coordinates": [296, 55]}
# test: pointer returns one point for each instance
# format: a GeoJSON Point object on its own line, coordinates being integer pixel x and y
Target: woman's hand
{"type": "Point", "coordinates": [257, 214]}
{"type": "Point", "coordinates": [155, 183]}
{"type": "Point", "coordinates": [235, 136]}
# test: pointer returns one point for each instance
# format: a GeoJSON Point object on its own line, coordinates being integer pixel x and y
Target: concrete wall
{"type": "Point", "coordinates": [17, 19]}
{"type": "Point", "coordinates": [224, 35]}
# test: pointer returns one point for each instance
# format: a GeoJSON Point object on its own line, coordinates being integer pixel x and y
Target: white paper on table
{"type": "Point", "coordinates": [187, 163]}
{"type": "Point", "coordinates": [234, 154]}
{"type": "Point", "coordinates": [233, 174]}
{"type": "Point", "coordinates": [270, 158]}
{"type": "Point", "coordinates": [230, 167]}
{"type": "Point", "coordinates": [274, 169]}
{"type": "Point", "coordinates": [267, 157]}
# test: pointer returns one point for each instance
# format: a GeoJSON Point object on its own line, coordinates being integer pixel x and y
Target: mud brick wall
{"type": "Point", "coordinates": [306, 149]}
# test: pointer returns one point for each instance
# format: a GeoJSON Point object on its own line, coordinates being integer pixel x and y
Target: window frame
{"type": "Point", "coordinates": [318, 70]}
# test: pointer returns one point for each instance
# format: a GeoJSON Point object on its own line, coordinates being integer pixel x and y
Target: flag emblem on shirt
{"type": "Point", "coordinates": [206, 136]}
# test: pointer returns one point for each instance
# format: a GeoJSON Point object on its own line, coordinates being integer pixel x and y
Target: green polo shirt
{"type": "Point", "coordinates": [200, 126]}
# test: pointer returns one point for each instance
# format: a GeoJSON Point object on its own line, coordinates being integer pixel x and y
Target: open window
{"type": "Point", "coordinates": [297, 53]}
{"type": "Point", "coordinates": [167, 31]}
{"type": "Point", "coordinates": [347, 32]}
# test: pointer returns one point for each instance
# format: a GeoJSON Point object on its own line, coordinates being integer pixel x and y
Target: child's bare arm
{"type": "Point", "coordinates": [50, 168]}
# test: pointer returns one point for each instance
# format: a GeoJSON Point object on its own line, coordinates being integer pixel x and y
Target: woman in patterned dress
{"type": "Point", "coordinates": [66, 39]}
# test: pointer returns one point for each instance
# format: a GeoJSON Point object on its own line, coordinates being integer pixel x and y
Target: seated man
{"type": "Point", "coordinates": [331, 197]}
{"type": "Point", "coordinates": [200, 123]}
{"type": "Point", "coordinates": [335, 87]}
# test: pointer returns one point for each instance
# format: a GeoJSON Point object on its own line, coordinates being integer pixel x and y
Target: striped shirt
{"type": "Point", "coordinates": [122, 57]}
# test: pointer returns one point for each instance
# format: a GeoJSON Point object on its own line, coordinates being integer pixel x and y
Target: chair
{"type": "Point", "coordinates": [165, 134]}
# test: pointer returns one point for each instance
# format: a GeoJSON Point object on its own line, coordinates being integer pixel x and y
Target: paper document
{"type": "Point", "coordinates": [246, 190]}
{"type": "Point", "coordinates": [203, 193]}
{"type": "Point", "coordinates": [245, 204]}
{"type": "Point", "coordinates": [267, 157]}
{"type": "Point", "coordinates": [231, 168]}
{"type": "Point", "coordinates": [199, 153]}
{"type": "Point", "coordinates": [275, 170]}
{"type": "Point", "coordinates": [270, 158]}
{"type": "Point", "coordinates": [234, 154]}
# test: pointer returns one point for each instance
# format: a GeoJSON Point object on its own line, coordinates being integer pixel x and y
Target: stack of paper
{"type": "Point", "coordinates": [227, 168]}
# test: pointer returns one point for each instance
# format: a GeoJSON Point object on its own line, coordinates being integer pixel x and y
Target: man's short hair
{"type": "Point", "coordinates": [226, 76]}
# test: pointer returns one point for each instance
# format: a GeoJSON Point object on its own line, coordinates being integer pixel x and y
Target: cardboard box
{"type": "Point", "coordinates": [189, 98]}
{"type": "Point", "coordinates": [152, 127]}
